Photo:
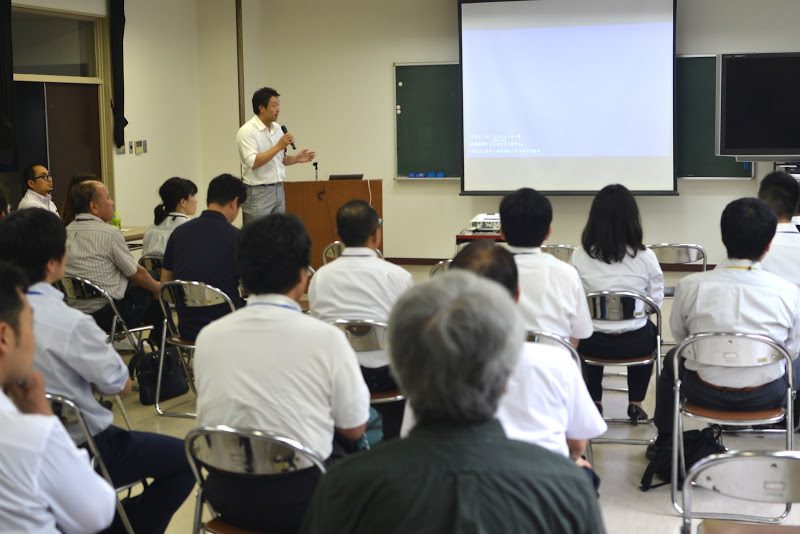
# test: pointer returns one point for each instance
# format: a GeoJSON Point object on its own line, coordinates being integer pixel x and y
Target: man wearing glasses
{"type": "Point", "coordinates": [39, 182]}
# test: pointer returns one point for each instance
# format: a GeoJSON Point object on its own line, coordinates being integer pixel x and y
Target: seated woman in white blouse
{"type": "Point", "coordinates": [612, 257]}
{"type": "Point", "coordinates": [178, 202]}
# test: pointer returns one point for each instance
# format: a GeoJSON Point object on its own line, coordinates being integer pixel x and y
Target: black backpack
{"type": "Point", "coordinates": [697, 444]}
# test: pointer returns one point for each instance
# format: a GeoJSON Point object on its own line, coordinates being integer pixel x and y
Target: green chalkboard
{"type": "Point", "coordinates": [695, 103]}
{"type": "Point", "coordinates": [428, 101]}
{"type": "Point", "coordinates": [429, 121]}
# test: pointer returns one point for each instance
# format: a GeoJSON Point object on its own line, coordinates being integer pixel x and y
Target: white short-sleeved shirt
{"type": "Point", "coordinates": [253, 138]}
{"type": "Point", "coordinates": [157, 235]}
{"type": "Point", "coordinates": [46, 483]}
{"type": "Point", "coordinates": [783, 257]}
{"type": "Point", "coordinates": [358, 285]}
{"type": "Point", "coordinates": [268, 366]}
{"type": "Point", "coordinates": [546, 401]}
{"type": "Point", "coordinates": [32, 199]}
{"type": "Point", "coordinates": [73, 355]}
{"type": "Point", "coordinates": [97, 251]}
{"type": "Point", "coordinates": [552, 298]}
{"type": "Point", "coordinates": [640, 273]}
{"type": "Point", "coordinates": [737, 296]}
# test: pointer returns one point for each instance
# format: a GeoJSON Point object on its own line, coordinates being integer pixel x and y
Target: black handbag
{"type": "Point", "coordinates": [144, 367]}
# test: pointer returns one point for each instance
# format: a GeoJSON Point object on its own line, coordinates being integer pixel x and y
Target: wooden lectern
{"type": "Point", "coordinates": [317, 203]}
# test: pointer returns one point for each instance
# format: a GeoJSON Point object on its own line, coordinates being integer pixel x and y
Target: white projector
{"type": "Point", "coordinates": [485, 222]}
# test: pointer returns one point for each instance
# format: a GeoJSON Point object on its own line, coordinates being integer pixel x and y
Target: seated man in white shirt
{"type": "Point", "coordinates": [268, 366]}
{"type": "Point", "coordinates": [39, 183]}
{"type": "Point", "coordinates": [76, 360]}
{"type": "Point", "coordinates": [737, 296]}
{"type": "Point", "coordinates": [360, 285]}
{"type": "Point", "coordinates": [552, 296]}
{"type": "Point", "coordinates": [97, 251]}
{"type": "Point", "coordinates": [781, 192]}
{"type": "Point", "coordinates": [546, 401]}
{"type": "Point", "coordinates": [46, 482]}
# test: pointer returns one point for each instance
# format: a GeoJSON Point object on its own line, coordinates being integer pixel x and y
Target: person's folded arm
{"type": "Point", "coordinates": [95, 360]}
{"type": "Point", "coordinates": [143, 279]}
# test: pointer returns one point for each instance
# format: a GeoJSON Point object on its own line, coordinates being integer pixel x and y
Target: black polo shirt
{"type": "Point", "coordinates": [204, 250]}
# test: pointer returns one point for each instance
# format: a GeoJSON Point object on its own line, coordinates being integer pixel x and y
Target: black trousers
{"type": "Point", "coordinates": [631, 344]}
{"type": "Point", "coordinates": [768, 396]}
{"type": "Point", "coordinates": [132, 456]}
{"type": "Point", "coordinates": [137, 307]}
{"type": "Point", "coordinates": [274, 504]}
{"type": "Point", "coordinates": [379, 379]}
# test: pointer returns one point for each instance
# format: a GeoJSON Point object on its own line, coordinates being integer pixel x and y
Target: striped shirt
{"type": "Point", "coordinates": [97, 251]}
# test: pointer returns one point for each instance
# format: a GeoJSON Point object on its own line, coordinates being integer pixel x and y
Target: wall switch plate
{"type": "Point", "coordinates": [144, 146]}
{"type": "Point", "coordinates": [130, 147]}
{"type": "Point", "coordinates": [120, 150]}
{"type": "Point", "coordinates": [138, 149]}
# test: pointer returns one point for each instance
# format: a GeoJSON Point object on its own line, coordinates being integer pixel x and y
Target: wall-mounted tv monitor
{"type": "Point", "coordinates": [567, 96]}
{"type": "Point", "coordinates": [758, 106]}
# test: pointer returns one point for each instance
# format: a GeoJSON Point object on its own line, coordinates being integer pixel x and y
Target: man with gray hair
{"type": "Point", "coordinates": [454, 341]}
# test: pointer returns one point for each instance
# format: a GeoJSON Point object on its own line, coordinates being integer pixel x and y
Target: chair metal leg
{"type": "Point", "coordinates": [124, 411]}
{"type": "Point", "coordinates": [198, 511]}
{"type": "Point", "coordinates": [677, 441]}
{"type": "Point", "coordinates": [161, 355]}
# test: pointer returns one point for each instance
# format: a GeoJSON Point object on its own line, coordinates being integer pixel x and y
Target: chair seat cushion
{"type": "Point", "coordinates": [716, 526]}
{"type": "Point", "coordinates": [218, 526]}
{"type": "Point", "coordinates": [640, 360]}
{"type": "Point", "coordinates": [387, 396]}
{"type": "Point", "coordinates": [727, 415]}
{"type": "Point", "coordinates": [180, 341]}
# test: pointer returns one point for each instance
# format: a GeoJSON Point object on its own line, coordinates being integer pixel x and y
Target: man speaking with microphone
{"type": "Point", "coordinates": [262, 144]}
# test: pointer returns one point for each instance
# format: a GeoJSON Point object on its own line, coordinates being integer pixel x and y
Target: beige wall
{"type": "Point", "coordinates": [333, 64]}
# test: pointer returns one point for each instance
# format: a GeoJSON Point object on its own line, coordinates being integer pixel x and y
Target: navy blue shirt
{"type": "Point", "coordinates": [204, 250]}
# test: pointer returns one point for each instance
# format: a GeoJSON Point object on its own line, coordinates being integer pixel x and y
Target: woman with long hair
{"type": "Point", "coordinates": [612, 257]}
{"type": "Point", "coordinates": [178, 203]}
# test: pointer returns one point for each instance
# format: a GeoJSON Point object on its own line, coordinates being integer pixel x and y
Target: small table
{"type": "Point", "coordinates": [133, 236]}
{"type": "Point", "coordinates": [466, 236]}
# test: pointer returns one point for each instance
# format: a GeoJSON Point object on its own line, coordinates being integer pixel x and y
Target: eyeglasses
{"type": "Point", "coordinates": [46, 176]}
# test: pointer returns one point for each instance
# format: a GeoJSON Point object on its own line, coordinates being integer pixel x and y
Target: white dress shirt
{"type": "Point", "coordinates": [97, 251]}
{"type": "Point", "coordinates": [46, 483]}
{"type": "Point", "coordinates": [72, 353]}
{"type": "Point", "coordinates": [640, 273]}
{"type": "Point", "coordinates": [157, 235]}
{"type": "Point", "coordinates": [268, 366]}
{"type": "Point", "coordinates": [32, 199]}
{"type": "Point", "coordinates": [253, 138]}
{"type": "Point", "coordinates": [552, 297]}
{"type": "Point", "coordinates": [737, 296]}
{"type": "Point", "coordinates": [546, 401]}
{"type": "Point", "coordinates": [783, 257]}
{"type": "Point", "coordinates": [358, 285]}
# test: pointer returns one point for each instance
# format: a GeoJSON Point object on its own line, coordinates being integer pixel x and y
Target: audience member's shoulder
{"type": "Point", "coordinates": [32, 431]}
{"type": "Point", "coordinates": [781, 284]}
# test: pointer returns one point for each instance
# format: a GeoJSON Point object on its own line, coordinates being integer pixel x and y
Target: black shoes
{"type": "Point", "coordinates": [636, 414]}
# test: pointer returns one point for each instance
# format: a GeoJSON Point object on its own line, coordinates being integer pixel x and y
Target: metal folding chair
{"type": "Point", "coordinates": [70, 414]}
{"type": "Point", "coordinates": [762, 476]}
{"type": "Point", "coordinates": [440, 267]}
{"type": "Point", "coordinates": [151, 263]}
{"type": "Point", "coordinates": [332, 251]}
{"type": "Point", "coordinates": [368, 336]}
{"type": "Point", "coordinates": [76, 288]}
{"type": "Point", "coordinates": [562, 252]}
{"type": "Point", "coordinates": [554, 339]}
{"type": "Point", "coordinates": [241, 452]}
{"type": "Point", "coordinates": [726, 349]}
{"type": "Point", "coordinates": [678, 253]}
{"type": "Point", "coordinates": [182, 294]}
{"type": "Point", "coordinates": [622, 306]}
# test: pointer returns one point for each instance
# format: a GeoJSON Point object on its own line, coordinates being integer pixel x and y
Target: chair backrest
{"type": "Point", "coordinates": [555, 340]}
{"type": "Point", "coordinates": [760, 476]}
{"type": "Point", "coordinates": [246, 452]}
{"type": "Point", "coordinates": [332, 251]}
{"type": "Point", "coordinates": [732, 349]}
{"type": "Point", "coordinates": [70, 415]}
{"type": "Point", "coordinates": [679, 253]}
{"type": "Point", "coordinates": [562, 252]}
{"type": "Point", "coordinates": [77, 288]}
{"type": "Point", "coordinates": [622, 306]}
{"type": "Point", "coordinates": [151, 263]}
{"type": "Point", "coordinates": [440, 267]}
{"type": "Point", "coordinates": [188, 294]}
{"type": "Point", "coordinates": [363, 335]}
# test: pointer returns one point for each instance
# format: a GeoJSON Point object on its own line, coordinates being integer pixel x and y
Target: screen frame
{"type": "Point", "coordinates": [721, 116]}
{"type": "Point", "coordinates": [664, 192]}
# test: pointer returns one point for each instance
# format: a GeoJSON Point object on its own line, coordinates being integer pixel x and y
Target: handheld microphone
{"type": "Point", "coordinates": [285, 131]}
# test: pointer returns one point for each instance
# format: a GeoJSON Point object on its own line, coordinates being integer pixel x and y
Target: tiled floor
{"type": "Point", "coordinates": [625, 508]}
